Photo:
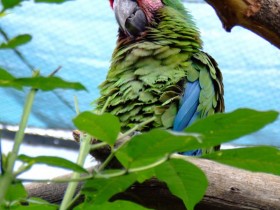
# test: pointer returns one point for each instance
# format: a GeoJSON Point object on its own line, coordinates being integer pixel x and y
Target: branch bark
{"type": "Point", "coordinates": [260, 16]}
{"type": "Point", "coordinates": [229, 188]}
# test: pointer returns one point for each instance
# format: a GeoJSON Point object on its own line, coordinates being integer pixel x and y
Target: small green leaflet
{"type": "Point", "coordinates": [184, 180]}
{"type": "Point", "coordinates": [117, 205]}
{"type": "Point", "coordinates": [48, 83]}
{"type": "Point", "coordinates": [16, 41]}
{"type": "Point", "coordinates": [220, 128]}
{"type": "Point", "coordinates": [42, 83]}
{"type": "Point", "coordinates": [5, 75]}
{"type": "Point", "coordinates": [7, 4]}
{"type": "Point", "coordinates": [6, 78]}
{"type": "Point", "coordinates": [256, 159]}
{"type": "Point", "coordinates": [149, 147]}
{"type": "Point", "coordinates": [105, 127]}
{"type": "Point", "coordinates": [52, 161]}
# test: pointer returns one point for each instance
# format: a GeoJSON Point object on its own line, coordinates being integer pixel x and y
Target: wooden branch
{"type": "Point", "coordinates": [260, 16]}
{"type": "Point", "coordinates": [229, 188]}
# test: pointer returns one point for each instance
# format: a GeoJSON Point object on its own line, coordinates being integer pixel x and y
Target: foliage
{"type": "Point", "coordinates": [16, 198]}
{"type": "Point", "coordinates": [257, 159]}
{"type": "Point", "coordinates": [38, 82]}
{"type": "Point", "coordinates": [51, 161]}
{"type": "Point", "coordinates": [9, 4]}
{"type": "Point", "coordinates": [142, 156]}
{"type": "Point", "coordinates": [109, 135]}
{"type": "Point", "coordinates": [16, 41]}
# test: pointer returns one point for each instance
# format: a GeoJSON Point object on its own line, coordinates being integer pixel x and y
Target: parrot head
{"type": "Point", "coordinates": [133, 16]}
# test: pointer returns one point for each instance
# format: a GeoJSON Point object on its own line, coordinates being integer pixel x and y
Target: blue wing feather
{"type": "Point", "coordinates": [187, 113]}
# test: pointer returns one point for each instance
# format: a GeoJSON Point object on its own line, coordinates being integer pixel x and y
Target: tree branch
{"type": "Point", "coordinates": [260, 16]}
{"type": "Point", "coordinates": [229, 188]}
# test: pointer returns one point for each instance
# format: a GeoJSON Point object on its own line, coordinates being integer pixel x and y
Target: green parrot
{"type": "Point", "coordinates": [158, 68]}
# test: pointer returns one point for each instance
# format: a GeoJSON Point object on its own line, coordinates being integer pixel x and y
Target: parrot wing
{"type": "Point", "coordinates": [203, 95]}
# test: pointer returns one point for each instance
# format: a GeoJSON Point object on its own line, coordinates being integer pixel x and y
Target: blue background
{"type": "Point", "coordinates": [80, 36]}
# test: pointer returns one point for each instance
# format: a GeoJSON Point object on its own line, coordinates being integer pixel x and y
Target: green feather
{"type": "Point", "coordinates": [147, 75]}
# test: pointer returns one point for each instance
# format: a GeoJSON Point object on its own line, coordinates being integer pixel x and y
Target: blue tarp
{"type": "Point", "coordinates": [80, 36]}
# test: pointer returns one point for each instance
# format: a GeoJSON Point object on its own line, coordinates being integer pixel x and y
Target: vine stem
{"type": "Point", "coordinates": [8, 176]}
{"type": "Point", "coordinates": [84, 151]}
{"type": "Point", "coordinates": [70, 191]}
{"type": "Point", "coordinates": [133, 170]}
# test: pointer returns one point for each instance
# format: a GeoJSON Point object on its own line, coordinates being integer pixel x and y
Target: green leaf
{"type": "Point", "coordinates": [117, 205]}
{"type": "Point", "coordinates": [48, 83]}
{"type": "Point", "coordinates": [16, 41]}
{"type": "Point", "coordinates": [149, 147]}
{"type": "Point", "coordinates": [42, 83]}
{"type": "Point", "coordinates": [220, 128]}
{"type": "Point", "coordinates": [5, 75]}
{"type": "Point", "coordinates": [105, 127]}
{"type": "Point", "coordinates": [184, 180]}
{"type": "Point", "coordinates": [101, 190]}
{"type": "Point", "coordinates": [7, 4]}
{"type": "Point", "coordinates": [16, 192]}
{"type": "Point", "coordinates": [51, 1]}
{"type": "Point", "coordinates": [6, 78]}
{"type": "Point", "coordinates": [52, 161]}
{"type": "Point", "coordinates": [257, 159]}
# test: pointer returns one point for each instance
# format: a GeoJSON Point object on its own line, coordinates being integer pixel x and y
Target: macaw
{"type": "Point", "coordinates": [158, 68]}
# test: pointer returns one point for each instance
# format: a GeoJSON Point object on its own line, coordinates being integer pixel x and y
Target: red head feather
{"type": "Point", "coordinates": [153, 4]}
{"type": "Point", "coordinates": [111, 3]}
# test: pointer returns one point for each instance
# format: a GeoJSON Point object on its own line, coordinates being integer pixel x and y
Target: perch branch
{"type": "Point", "coordinates": [229, 188]}
{"type": "Point", "coordinates": [260, 16]}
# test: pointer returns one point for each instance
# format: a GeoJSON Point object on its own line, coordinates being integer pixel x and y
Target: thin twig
{"type": "Point", "coordinates": [55, 71]}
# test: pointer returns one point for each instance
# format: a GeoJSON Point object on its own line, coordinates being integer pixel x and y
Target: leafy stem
{"type": "Point", "coordinates": [97, 146]}
{"type": "Point", "coordinates": [70, 191]}
{"type": "Point", "coordinates": [58, 180]}
{"type": "Point", "coordinates": [8, 175]}
{"type": "Point", "coordinates": [133, 170]}
{"type": "Point", "coordinates": [152, 165]}
{"type": "Point", "coordinates": [107, 161]}
{"type": "Point", "coordinates": [22, 169]}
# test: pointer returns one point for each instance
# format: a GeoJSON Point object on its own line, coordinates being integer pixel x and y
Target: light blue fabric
{"type": "Point", "coordinates": [187, 113]}
{"type": "Point", "coordinates": [81, 35]}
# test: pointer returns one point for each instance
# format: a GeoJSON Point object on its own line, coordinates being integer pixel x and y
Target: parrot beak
{"type": "Point", "coordinates": [131, 19]}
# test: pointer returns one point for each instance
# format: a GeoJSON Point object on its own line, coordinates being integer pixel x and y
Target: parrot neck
{"type": "Point", "coordinates": [169, 27]}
